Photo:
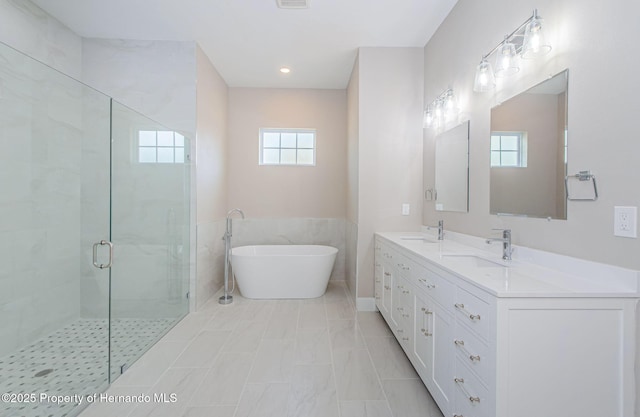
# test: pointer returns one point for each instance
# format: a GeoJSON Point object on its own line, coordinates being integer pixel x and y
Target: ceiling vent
{"type": "Point", "coordinates": [293, 4]}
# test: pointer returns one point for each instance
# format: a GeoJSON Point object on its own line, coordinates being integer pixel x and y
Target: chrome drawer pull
{"type": "Point", "coordinates": [431, 286]}
{"type": "Point", "coordinates": [460, 344]}
{"type": "Point", "coordinates": [399, 308]}
{"type": "Point", "coordinates": [399, 330]}
{"type": "Point", "coordinates": [386, 287]}
{"type": "Point", "coordinates": [460, 382]}
{"type": "Point", "coordinates": [406, 339]}
{"type": "Point", "coordinates": [458, 415]}
{"type": "Point", "coordinates": [407, 316]}
{"type": "Point", "coordinates": [406, 292]}
{"type": "Point", "coordinates": [472, 317]}
{"type": "Point", "coordinates": [387, 274]}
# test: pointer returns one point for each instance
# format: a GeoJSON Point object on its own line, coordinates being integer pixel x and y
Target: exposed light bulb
{"type": "Point", "coordinates": [285, 70]}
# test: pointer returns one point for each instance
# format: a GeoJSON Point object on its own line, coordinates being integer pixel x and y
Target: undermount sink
{"type": "Point", "coordinates": [420, 239]}
{"type": "Point", "coordinates": [474, 260]}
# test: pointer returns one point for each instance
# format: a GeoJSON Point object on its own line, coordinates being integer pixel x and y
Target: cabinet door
{"type": "Point", "coordinates": [387, 285]}
{"type": "Point", "coordinates": [432, 349]}
{"type": "Point", "coordinates": [423, 338]}
{"type": "Point", "coordinates": [378, 282]}
{"type": "Point", "coordinates": [443, 357]}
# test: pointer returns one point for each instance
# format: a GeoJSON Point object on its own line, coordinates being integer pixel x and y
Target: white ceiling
{"type": "Point", "coordinates": [249, 40]}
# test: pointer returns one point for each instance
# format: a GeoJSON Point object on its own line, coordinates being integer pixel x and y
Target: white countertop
{"type": "Point", "coordinates": [554, 276]}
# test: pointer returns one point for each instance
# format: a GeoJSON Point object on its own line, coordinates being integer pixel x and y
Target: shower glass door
{"type": "Point", "coordinates": [54, 205]}
{"type": "Point", "coordinates": [150, 192]}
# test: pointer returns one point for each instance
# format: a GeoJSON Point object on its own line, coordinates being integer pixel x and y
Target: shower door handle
{"type": "Point", "coordinates": [95, 254]}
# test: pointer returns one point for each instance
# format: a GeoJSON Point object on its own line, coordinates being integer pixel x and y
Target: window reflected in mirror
{"type": "Point", "coordinates": [528, 152]}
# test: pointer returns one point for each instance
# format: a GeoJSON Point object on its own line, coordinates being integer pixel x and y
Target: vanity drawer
{"type": "Point", "coordinates": [472, 351]}
{"type": "Point", "coordinates": [441, 290]}
{"type": "Point", "coordinates": [472, 311]}
{"type": "Point", "coordinates": [471, 397]}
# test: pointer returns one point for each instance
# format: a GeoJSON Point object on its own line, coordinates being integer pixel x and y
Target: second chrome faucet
{"type": "Point", "coordinates": [506, 243]}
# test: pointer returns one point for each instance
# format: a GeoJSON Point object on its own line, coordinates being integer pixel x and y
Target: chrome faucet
{"type": "Point", "coordinates": [506, 243]}
{"type": "Point", "coordinates": [227, 298]}
{"type": "Point", "coordinates": [440, 229]}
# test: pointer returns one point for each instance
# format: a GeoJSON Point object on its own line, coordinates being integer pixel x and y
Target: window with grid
{"type": "Point", "coordinates": [509, 149]}
{"type": "Point", "coordinates": [160, 147]}
{"type": "Point", "coordinates": [287, 147]}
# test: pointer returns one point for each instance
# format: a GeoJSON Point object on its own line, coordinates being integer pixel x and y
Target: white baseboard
{"type": "Point", "coordinates": [366, 304]}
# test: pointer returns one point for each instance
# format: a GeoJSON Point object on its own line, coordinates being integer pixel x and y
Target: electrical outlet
{"type": "Point", "coordinates": [406, 209]}
{"type": "Point", "coordinates": [625, 221]}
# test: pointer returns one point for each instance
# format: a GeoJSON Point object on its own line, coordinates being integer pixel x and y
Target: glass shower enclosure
{"type": "Point", "coordinates": [94, 237]}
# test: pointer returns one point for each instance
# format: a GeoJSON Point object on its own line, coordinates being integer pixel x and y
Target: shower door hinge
{"type": "Point", "coordinates": [188, 296]}
{"type": "Point", "coordinates": [123, 368]}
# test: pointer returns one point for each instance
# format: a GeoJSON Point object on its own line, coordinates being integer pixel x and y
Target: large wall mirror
{"type": "Point", "coordinates": [529, 152]}
{"type": "Point", "coordinates": [452, 169]}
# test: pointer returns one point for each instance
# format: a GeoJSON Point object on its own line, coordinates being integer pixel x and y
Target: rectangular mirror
{"type": "Point", "coordinates": [452, 169]}
{"type": "Point", "coordinates": [529, 152]}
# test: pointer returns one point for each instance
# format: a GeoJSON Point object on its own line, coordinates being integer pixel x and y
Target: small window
{"type": "Point", "coordinates": [509, 149]}
{"type": "Point", "coordinates": [287, 147]}
{"type": "Point", "coordinates": [160, 147]}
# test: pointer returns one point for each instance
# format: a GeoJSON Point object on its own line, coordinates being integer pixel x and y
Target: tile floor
{"type": "Point", "coordinates": [72, 359]}
{"type": "Point", "coordinates": [291, 358]}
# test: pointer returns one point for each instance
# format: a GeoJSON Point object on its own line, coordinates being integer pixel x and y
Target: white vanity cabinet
{"type": "Point", "coordinates": [484, 355]}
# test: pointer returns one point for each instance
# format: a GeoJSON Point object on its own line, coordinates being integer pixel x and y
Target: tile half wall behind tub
{"type": "Point", "coordinates": [295, 231]}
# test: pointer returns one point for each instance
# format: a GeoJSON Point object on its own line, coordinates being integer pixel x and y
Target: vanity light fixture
{"type": "Point", "coordinates": [527, 41]}
{"type": "Point", "coordinates": [441, 110]}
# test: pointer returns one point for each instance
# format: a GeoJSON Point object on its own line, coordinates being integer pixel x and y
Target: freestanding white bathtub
{"type": "Point", "coordinates": [283, 271]}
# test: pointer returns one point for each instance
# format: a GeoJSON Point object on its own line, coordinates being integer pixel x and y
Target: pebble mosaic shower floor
{"type": "Point", "coordinates": [73, 360]}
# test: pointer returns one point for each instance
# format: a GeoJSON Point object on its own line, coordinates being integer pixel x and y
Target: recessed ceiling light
{"type": "Point", "coordinates": [285, 70]}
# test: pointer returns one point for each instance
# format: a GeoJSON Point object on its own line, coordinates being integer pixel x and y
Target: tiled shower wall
{"type": "Point", "coordinates": [40, 146]}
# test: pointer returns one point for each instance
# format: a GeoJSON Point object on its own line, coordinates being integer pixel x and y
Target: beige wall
{"type": "Point", "coordinates": [210, 177]}
{"type": "Point", "coordinates": [601, 120]}
{"type": "Point", "coordinates": [351, 231]}
{"type": "Point", "coordinates": [285, 191]}
{"type": "Point", "coordinates": [389, 148]}
{"type": "Point", "coordinates": [211, 134]}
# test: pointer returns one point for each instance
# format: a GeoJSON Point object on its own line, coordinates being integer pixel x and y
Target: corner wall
{"type": "Point", "coordinates": [211, 177]}
{"type": "Point", "coordinates": [389, 150]}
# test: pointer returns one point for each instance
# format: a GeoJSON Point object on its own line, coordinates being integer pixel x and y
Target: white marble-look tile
{"type": "Point", "coordinates": [225, 380]}
{"type": "Point", "coordinates": [410, 398]}
{"type": "Point", "coordinates": [312, 316]}
{"type": "Point", "coordinates": [313, 392]}
{"type": "Point", "coordinates": [389, 358]}
{"type": "Point", "coordinates": [179, 381]}
{"type": "Point", "coordinates": [263, 400]}
{"type": "Point", "coordinates": [365, 409]}
{"type": "Point", "coordinates": [273, 361]}
{"type": "Point", "coordinates": [246, 337]}
{"type": "Point", "coordinates": [259, 310]}
{"type": "Point", "coordinates": [202, 350]}
{"type": "Point", "coordinates": [188, 328]}
{"type": "Point", "coordinates": [213, 411]}
{"type": "Point", "coordinates": [312, 347]}
{"type": "Point", "coordinates": [335, 292]}
{"type": "Point", "coordinates": [112, 408]}
{"type": "Point", "coordinates": [355, 376]}
{"type": "Point", "coordinates": [148, 369]}
{"type": "Point", "coordinates": [227, 317]}
{"type": "Point", "coordinates": [345, 334]}
{"type": "Point", "coordinates": [340, 310]}
{"type": "Point", "coordinates": [282, 325]}
{"type": "Point", "coordinates": [32, 31]}
{"type": "Point", "coordinates": [372, 324]}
